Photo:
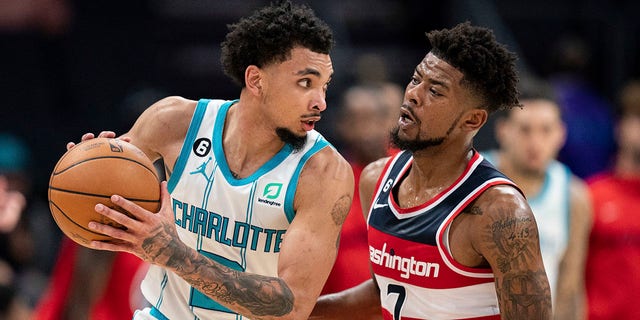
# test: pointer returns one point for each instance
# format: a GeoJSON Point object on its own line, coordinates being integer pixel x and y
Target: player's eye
{"type": "Point", "coordinates": [305, 83]}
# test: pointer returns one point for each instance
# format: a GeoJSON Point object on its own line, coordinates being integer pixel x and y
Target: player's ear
{"type": "Point", "coordinates": [253, 79]}
{"type": "Point", "coordinates": [476, 118]}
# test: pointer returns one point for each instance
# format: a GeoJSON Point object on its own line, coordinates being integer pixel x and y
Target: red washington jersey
{"type": "Point", "coordinates": [409, 252]}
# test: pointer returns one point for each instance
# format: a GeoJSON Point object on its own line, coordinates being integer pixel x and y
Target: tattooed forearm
{"type": "Point", "coordinates": [341, 209]}
{"type": "Point", "coordinates": [526, 296]}
{"type": "Point", "coordinates": [250, 294]}
{"type": "Point", "coordinates": [161, 245]}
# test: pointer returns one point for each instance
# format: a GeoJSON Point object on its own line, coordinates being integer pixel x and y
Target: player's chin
{"type": "Point", "coordinates": [536, 168]}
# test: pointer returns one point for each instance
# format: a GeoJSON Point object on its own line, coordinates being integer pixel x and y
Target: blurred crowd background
{"type": "Point", "coordinates": [69, 66]}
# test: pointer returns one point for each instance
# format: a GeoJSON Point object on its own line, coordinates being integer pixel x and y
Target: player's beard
{"type": "Point", "coordinates": [418, 144]}
{"type": "Point", "coordinates": [287, 136]}
{"type": "Point", "coordinates": [415, 144]}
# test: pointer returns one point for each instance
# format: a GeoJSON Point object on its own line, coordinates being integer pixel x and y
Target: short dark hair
{"type": "Point", "coordinates": [488, 67]}
{"type": "Point", "coordinates": [269, 34]}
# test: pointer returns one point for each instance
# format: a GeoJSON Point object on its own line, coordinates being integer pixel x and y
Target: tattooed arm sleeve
{"type": "Point", "coordinates": [507, 238]}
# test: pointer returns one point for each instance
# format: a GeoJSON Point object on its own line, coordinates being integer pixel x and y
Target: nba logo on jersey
{"type": "Point", "coordinates": [270, 193]}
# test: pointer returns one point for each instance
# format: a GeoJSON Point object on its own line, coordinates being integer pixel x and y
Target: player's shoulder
{"type": "Point", "coordinates": [578, 189]}
{"type": "Point", "coordinates": [168, 114]}
{"type": "Point", "coordinates": [328, 161]}
{"type": "Point", "coordinates": [325, 177]}
{"type": "Point", "coordinates": [373, 170]}
{"type": "Point", "coordinates": [578, 186]}
{"type": "Point", "coordinates": [503, 200]}
{"type": "Point", "coordinates": [376, 167]}
{"type": "Point", "coordinates": [173, 106]}
{"type": "Point", "coordinates": [164, 122]}
{"type": "Point", "coordinates": [497, 212]}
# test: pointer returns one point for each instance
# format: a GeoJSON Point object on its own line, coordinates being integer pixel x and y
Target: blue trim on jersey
{"type": "Point", "coordinates": [293, 184]}
{"type": "Point", "coordinates": [567, 197]}
{"type": "Point", "coordinates": [157, 314]}
{"type": "Point", "coordinates": [224, 165]}
{"type": "Point", "coordinates": [546, 185]}
{"type": "Point", "coordinates": [163, 285]}
{"type": "Point", "coordinates": [196, 120]}
{"type": "Point", "coordinates": [247, 220]}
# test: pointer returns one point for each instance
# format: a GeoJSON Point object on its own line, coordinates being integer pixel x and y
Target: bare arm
{"type": "Point", "coordinates": [307, 252]}
{"type": "Point", "coordinates": [570, 298]}
{"type": "Point", "coordinates": [505, 233]}
{"type": "Point", "coordinates": [361, 301]}
{"type": "Point", "coordinates": [159, 131]}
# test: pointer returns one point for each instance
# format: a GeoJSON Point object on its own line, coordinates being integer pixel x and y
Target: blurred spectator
{"type": "Point", "coordinates": [13, 304]}
{"type": "Point", "coordinates": [47, 16]}
{"type": "Point", "coordinates": [587, 115]}
{"type": "Point", "coordinates": [12, 203]}
{"type": "Point", "coordinates": [363, 125]}
{"type": "Point", "coordinates": [529, 140]}
{"type": "Point", "coordinates": [91, 284]}
{"type": "Point", "coordinates": [29, 237]}
{"type": "Point", "coordinates": [613, 276]}
{"type": "Point", "coordinates": [11, 307]}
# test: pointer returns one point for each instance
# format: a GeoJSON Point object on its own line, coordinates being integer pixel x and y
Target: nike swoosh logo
{"type": "Point", "coordinates": [377, 205]}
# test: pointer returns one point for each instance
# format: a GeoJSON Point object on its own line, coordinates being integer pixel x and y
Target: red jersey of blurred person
{"type": "Point", "coordinates": [118, 300]}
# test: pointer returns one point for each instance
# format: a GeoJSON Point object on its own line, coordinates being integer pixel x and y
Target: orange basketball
{"type": "Point", "coordinates": [89, 174]}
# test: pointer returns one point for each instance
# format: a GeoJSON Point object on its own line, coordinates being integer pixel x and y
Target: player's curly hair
{"type": "Point", "coordinates": [488, 67]}
{"type": "Point", "coordinates": [269, 34]}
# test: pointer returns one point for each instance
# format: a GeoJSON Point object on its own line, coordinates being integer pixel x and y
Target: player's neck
{"type": "Point", "coordinates": [530, 182]}
{"type": "Point", "coordinates": [438, 168]}
{"type": "Point", "coordinates": [247, 143]}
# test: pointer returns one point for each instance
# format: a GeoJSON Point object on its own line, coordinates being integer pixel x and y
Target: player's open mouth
{"type": "Point", "coordinates": [309, 125]}
{"type": "Point", "coordinates": [405, 117]}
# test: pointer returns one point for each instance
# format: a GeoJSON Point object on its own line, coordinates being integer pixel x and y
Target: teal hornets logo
{"type": "Point", "coordinates": [270, 193]}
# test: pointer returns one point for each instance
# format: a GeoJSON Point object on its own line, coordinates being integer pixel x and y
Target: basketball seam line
{"type": "Point", "coordinates": [74, 222]}
{"type": "Point", "coordinates": [107, 157]}
{"type": "Point", "coordinates": [100, 195]}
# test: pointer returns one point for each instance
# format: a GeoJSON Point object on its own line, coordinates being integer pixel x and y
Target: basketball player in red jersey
{"type": "Point", "coordinates": [450, 237]}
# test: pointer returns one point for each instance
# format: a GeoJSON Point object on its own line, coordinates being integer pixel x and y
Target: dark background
{"type": "Point", "coordinates": [84, 66]}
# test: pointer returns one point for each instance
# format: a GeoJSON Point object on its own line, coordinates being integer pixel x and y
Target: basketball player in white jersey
{"type": "Point", "coordinates": [251, 213]}
{"type": "Point", "coordinates": [450, 237]}
{"type": "Point", "coordinates": [530, 139]}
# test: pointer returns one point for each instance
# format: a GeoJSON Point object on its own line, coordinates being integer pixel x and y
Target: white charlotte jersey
{"type": "Point", "coordinates": [239, 223]}
{"type": "Point", "coordinates": [552, 209]}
